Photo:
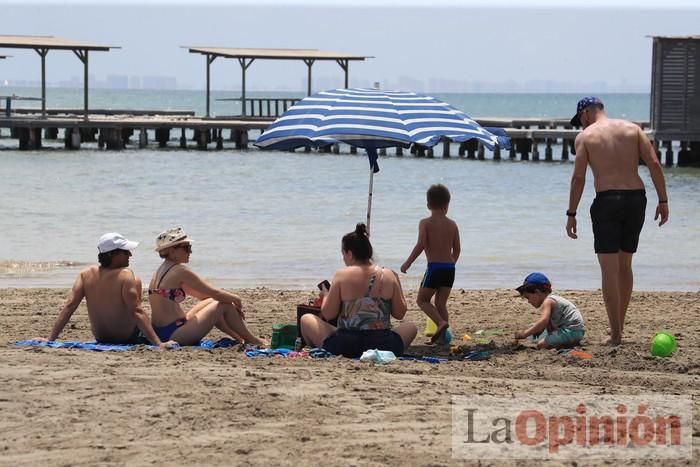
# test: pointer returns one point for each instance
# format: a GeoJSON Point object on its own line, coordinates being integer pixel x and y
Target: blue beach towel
{"type": "Point", "coordinates": [96, 346]}
{"type": "Point", "coordinates": [282, 352]}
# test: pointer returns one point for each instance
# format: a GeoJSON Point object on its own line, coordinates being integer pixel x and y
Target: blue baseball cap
{"type": "Point", "coordinates": [537, 280]}
{"type": "Point", "coordinates": [582, 104]}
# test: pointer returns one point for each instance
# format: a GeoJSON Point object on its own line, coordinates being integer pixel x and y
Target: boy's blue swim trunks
{"type": "Point", "coordinates": [439, 275]}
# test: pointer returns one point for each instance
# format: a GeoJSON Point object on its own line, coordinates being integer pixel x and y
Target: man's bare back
{"type": "Point", "coordinates": [441, 233]}
{"type": "Point", "coordinates": [111, 317]}
{"type": "Point", "coordinates": [613, 149]}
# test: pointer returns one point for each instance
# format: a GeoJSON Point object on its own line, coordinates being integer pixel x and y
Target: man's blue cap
{"type": "Point", "coordinates": [538, 280]}
{"type": "Point", "coordinates": [582, 104]}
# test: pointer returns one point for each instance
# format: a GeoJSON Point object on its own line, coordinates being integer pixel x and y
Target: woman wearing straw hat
{"type": "Point", "coordinates": [171, 284]}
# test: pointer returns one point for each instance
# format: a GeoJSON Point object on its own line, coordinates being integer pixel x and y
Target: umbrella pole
{"type": "Point", "coordinates": [369, 197]}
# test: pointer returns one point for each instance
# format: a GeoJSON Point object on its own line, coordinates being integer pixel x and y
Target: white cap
{"type": "Point", "coordinates": [113, 241]}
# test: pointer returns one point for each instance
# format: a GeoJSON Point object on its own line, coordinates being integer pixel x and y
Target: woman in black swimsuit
{"type": "Point", "coordinates": [171, 284]}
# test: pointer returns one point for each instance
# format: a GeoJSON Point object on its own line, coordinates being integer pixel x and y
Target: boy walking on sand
{"type": "Point", "coordinates": [438, 236]}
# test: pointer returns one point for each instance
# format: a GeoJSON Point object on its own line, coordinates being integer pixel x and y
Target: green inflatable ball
{"type": "Point", "coordinates": [663, 345]}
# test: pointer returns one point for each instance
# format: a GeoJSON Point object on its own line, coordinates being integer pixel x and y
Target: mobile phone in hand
{"type": "Point", "coordinates": [323, 284]}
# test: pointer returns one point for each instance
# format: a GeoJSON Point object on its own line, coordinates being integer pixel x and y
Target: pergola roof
{"type": "Point", "coordinates": [43, 45]}
{"type": "Point", "coordinates": [276, 54]}
{"type": "Point", "coordinates": [48, 42]}
{"type": "Point", "coordinates": [675, 37]}
{"type": "Point", "coordinates": [247, 56]}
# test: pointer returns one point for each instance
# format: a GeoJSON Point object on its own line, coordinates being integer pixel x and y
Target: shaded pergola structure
{"type": "Point", "coordinates": [42, 45]}
{"type": "Point", "coordinates": [247, 56]}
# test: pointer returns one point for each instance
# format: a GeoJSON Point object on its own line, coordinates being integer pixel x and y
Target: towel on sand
{"type": "Point", "coordinates": [286, 353]}
{"type": "Point", "coordinates": [222, 343]}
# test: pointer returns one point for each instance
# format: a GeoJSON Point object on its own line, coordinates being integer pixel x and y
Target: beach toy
{"type": "Point", "coordinates": [466, 337]}
{"type": "Point", "coordinates": [663, 345]}
{"type": "Point", "coordinates": [430, 327]}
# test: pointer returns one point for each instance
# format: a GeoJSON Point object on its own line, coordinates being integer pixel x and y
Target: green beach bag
{"type": "Point", "coordinates": [283, 336]}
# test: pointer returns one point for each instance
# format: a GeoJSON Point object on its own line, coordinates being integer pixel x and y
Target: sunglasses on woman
{"type": "Point", "coordinates": [185, 246]}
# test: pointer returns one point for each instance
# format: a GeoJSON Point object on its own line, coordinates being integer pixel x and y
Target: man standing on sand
{"type": "Point", "coordinates": [113, 296]}
{"type": "Point", "coordinates": [613, 148]}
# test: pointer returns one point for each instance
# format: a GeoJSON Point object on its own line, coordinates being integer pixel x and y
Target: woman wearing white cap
{"type": "Point", "coordinates": [171, 284]}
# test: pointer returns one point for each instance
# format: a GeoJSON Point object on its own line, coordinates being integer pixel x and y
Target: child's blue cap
{"type": "Point", "coordinates": [535, 281]}
{"type": "Point", "coordinates": [582, 104]}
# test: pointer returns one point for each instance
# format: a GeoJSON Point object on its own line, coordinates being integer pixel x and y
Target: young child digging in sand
{"type": "Point", "coordinates": [438, 235]}
{"type": "Point", "coordinates": [560, 323]}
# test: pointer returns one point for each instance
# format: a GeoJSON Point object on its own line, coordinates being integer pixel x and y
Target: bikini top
{"type": "Point", "coordinates": [367, 313]}
{"type": "Point", "coordinates": [177, 295]}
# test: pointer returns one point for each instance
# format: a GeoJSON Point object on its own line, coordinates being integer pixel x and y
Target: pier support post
{"type": "Point", "coordinates": [382, 152]}
{"type": "Point", "coordinates": [114, 140]}
{"type": "Point", "coordinates": [244, 139]}
{"type": "Point", "coordinates": [445, 149]}
{"type": "Point", "coordinates": [535, 150]}
{"type": "Point", "coordinates": [87, 135]}
{"type": "Point", "coordinates": [548, 152]}
{"type": "Point", "coordinates": [419, 150]}
{"type": "Point", "coordinates": [430, 153]}
{"type": "Point", "coordinates": [523, 146]}
{"type": "Point", "coordinates": [336, 148]}
{"type": "Point", "coordinates": [399, 151]}
{"type": "Point", "coordinates": [694, 156]}
{"type": "Point", "coordinates": [100, 139]}
{"type": "Point", "coordinates": [497, 153]}
{"type": "Point", "coordinates": [353, 149]}
{"type": "Point", "coordinates": [480, 154]}
{"type": "Point", "coordinates": [183, 139]}
{"type": "Point", "coordinates": [564, 149]}
{"type": "Point", "coordinates": [325, 149]}
{"type": "Point", "coordinates": [462, 149]}
{"type": "Point", "coordinates": [308, 149]}
{"type": "Point", "coordinates": [511, 153]}
{"type": "Point", "coordinates": [219, 139]}
{"type": "Point", "coordinates": [29, 138]}
{"type": "Point", "coordinates": [126, 134]}
{"type": "Point", "coordinates": [72, 138]}
{"type": "Point", "coordinates": [683, 155]}
{"type": "Point", "coordinates": [51, 133]}
{"type": "Point", "coordinates": [143, 138]}
{"type": "Point", "coordinates": [472, 145]}
{"type": "Point", "coordinates": [202, 139]}
{"type": "Point", "coordinates": [669, 152]}
{"type": "Point", "coordinates": [162, 136]}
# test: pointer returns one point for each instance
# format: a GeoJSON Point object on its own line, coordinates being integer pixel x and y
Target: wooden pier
{"type": "Point", "coordinates": [532, 139]}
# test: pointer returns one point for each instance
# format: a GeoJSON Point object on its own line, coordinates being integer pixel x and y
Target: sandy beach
{"type": "Point", "coordinates": [219, 407]}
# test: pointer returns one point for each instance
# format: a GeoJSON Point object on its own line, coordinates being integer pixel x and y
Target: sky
{"type": "Point", "coordinates": [438, 45]}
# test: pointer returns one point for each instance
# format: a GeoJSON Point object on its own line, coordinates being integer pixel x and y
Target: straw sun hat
{"type": "Point", "coordinates": [171, 237]}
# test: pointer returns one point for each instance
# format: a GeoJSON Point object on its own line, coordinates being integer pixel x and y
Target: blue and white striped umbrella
{"type": "Point", "coordinates": [372, 119]}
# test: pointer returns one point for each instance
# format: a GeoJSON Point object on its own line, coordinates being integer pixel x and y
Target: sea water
{"type": "Point", "coordinates": [275, 219]}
